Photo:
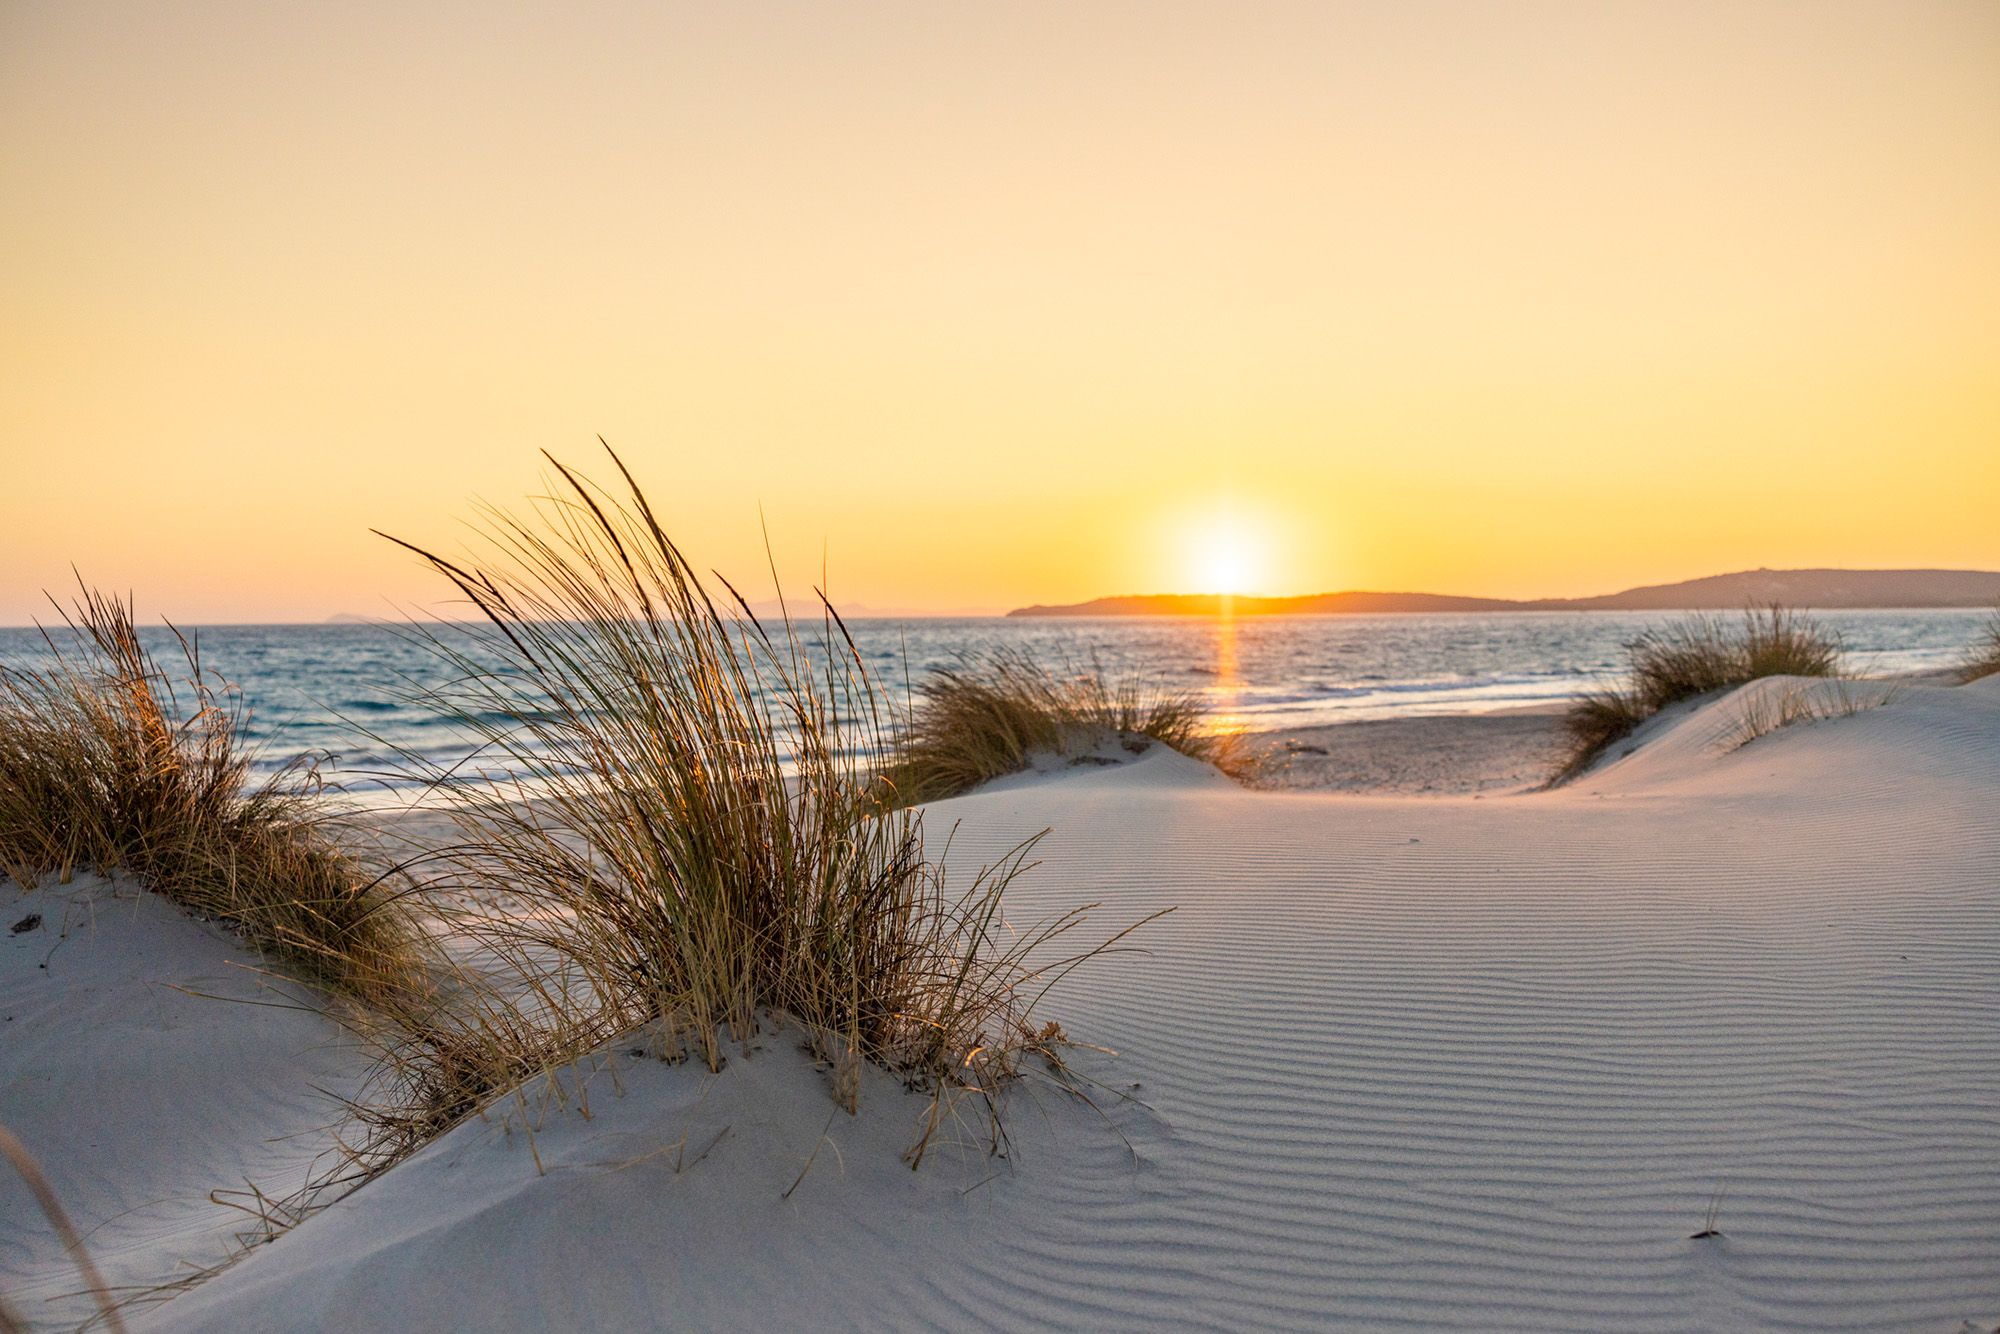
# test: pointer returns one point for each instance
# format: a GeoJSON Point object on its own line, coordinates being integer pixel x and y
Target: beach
{"type": "Point", "coordinates": [1391, 1060]}
{"type": "Point", "coordinates": [1435, 755]}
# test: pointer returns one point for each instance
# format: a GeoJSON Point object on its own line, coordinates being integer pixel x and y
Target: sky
{"type": "Point", "coordinates": [970, 306]}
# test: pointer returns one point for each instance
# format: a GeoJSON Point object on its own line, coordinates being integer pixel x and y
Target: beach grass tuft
{"type": "Point", "coordinates": [1595, 721]}
{"type": "Point", "coordinates": [1983, 659]}
{"type": "Point", "coordinates": [1695, 656]}
{"type": "Point", "coordinates": [990, 714]}
{"type": "Point", "coordinates": [688, 831]}
{"type": "Point", "coordinates": [110, 762]}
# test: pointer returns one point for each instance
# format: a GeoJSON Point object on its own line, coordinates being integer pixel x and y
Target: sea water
{"type": "Point", "coordinates": [343, 693]}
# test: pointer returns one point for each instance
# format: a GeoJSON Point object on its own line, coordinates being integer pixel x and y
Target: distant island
{"type": "Point", "coordinates": [1824, 589]}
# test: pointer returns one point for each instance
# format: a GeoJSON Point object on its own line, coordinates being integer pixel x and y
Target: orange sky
{"type": "Point", "coordinates": [1007, 303]}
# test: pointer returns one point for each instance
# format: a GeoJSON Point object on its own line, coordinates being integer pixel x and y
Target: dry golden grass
{"type": "Point", "coordinates": [991, 714]}
{"type": "Point", "coordinates": [1695, 656]}
{"type": "Point", "coordinates": [110, 763]}
{"type": "Point", "coordinates": [1762, 716]}
{"type": "Point", "coordinates": [691, 838]}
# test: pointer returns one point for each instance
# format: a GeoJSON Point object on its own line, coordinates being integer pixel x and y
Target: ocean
{"type": "Point", "coordinates": [339, 692]}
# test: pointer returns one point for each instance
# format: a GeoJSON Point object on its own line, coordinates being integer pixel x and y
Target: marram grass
{"type": "Point", "coordinates": [692, 840]}
{"type": "Point", "coordinates": [992, 713]}
{"type": "Point", "coordinates": [112, 763]}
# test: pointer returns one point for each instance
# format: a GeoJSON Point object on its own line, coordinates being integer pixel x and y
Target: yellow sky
{"type": "Point", "coordinates": [1001, 303]}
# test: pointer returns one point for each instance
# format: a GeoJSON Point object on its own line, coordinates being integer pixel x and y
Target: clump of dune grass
{"type": "Point", "coordinates": [1696, 656]}
{"type": "Point", "coordinates": [990, 714]}
{"type": "Point", "coordinates": [110, 762]}
{"type": "Point", "coordinates": [688, 832]}
{"type": "Point", "coordinates": [1597, 720]}
{"type": "Point", "coordinates": [1780, 642]}
{"type": "Point", "coordinates": [1983, 659]}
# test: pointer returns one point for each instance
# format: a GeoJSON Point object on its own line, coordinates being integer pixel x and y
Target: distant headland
{"type": "Point", "coordinates": [1821, 589]}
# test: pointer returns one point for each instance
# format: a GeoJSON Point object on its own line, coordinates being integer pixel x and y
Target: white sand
{"type": "Point", "coordinates": [1443, 1062]}
{"type": "Point", "coordinates": [139, 1098]}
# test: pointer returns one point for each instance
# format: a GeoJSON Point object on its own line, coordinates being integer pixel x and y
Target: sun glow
{"type": "Point", "coordinates": [1371, 292]}
{"type": "Point", "coordinates": [1225, 556]}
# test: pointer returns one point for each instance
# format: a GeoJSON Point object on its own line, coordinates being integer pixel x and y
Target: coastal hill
{"type": "Point", "coordinates": [1824, 589]}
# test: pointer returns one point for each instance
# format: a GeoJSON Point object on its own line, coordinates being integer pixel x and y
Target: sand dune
{"type": "Point", "coordinates": [1450, 1063]}
{"type": "Point", "coordinates": [1389, 1062]}
{"type": "Point", "coordinates": [147, 1062]}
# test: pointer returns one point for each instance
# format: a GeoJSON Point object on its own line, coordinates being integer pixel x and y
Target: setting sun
{"type": "Point", "coordinates": [1225, 556]}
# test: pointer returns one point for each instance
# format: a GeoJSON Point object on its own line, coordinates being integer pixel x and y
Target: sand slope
{"type": "Point", "coordinates": [139, 1098]}
{"type": "Point", "coordinates": [1448, 1063]}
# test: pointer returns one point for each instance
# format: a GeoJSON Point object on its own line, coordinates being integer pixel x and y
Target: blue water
{"type": "Point", "coordinates": [339, 691]}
